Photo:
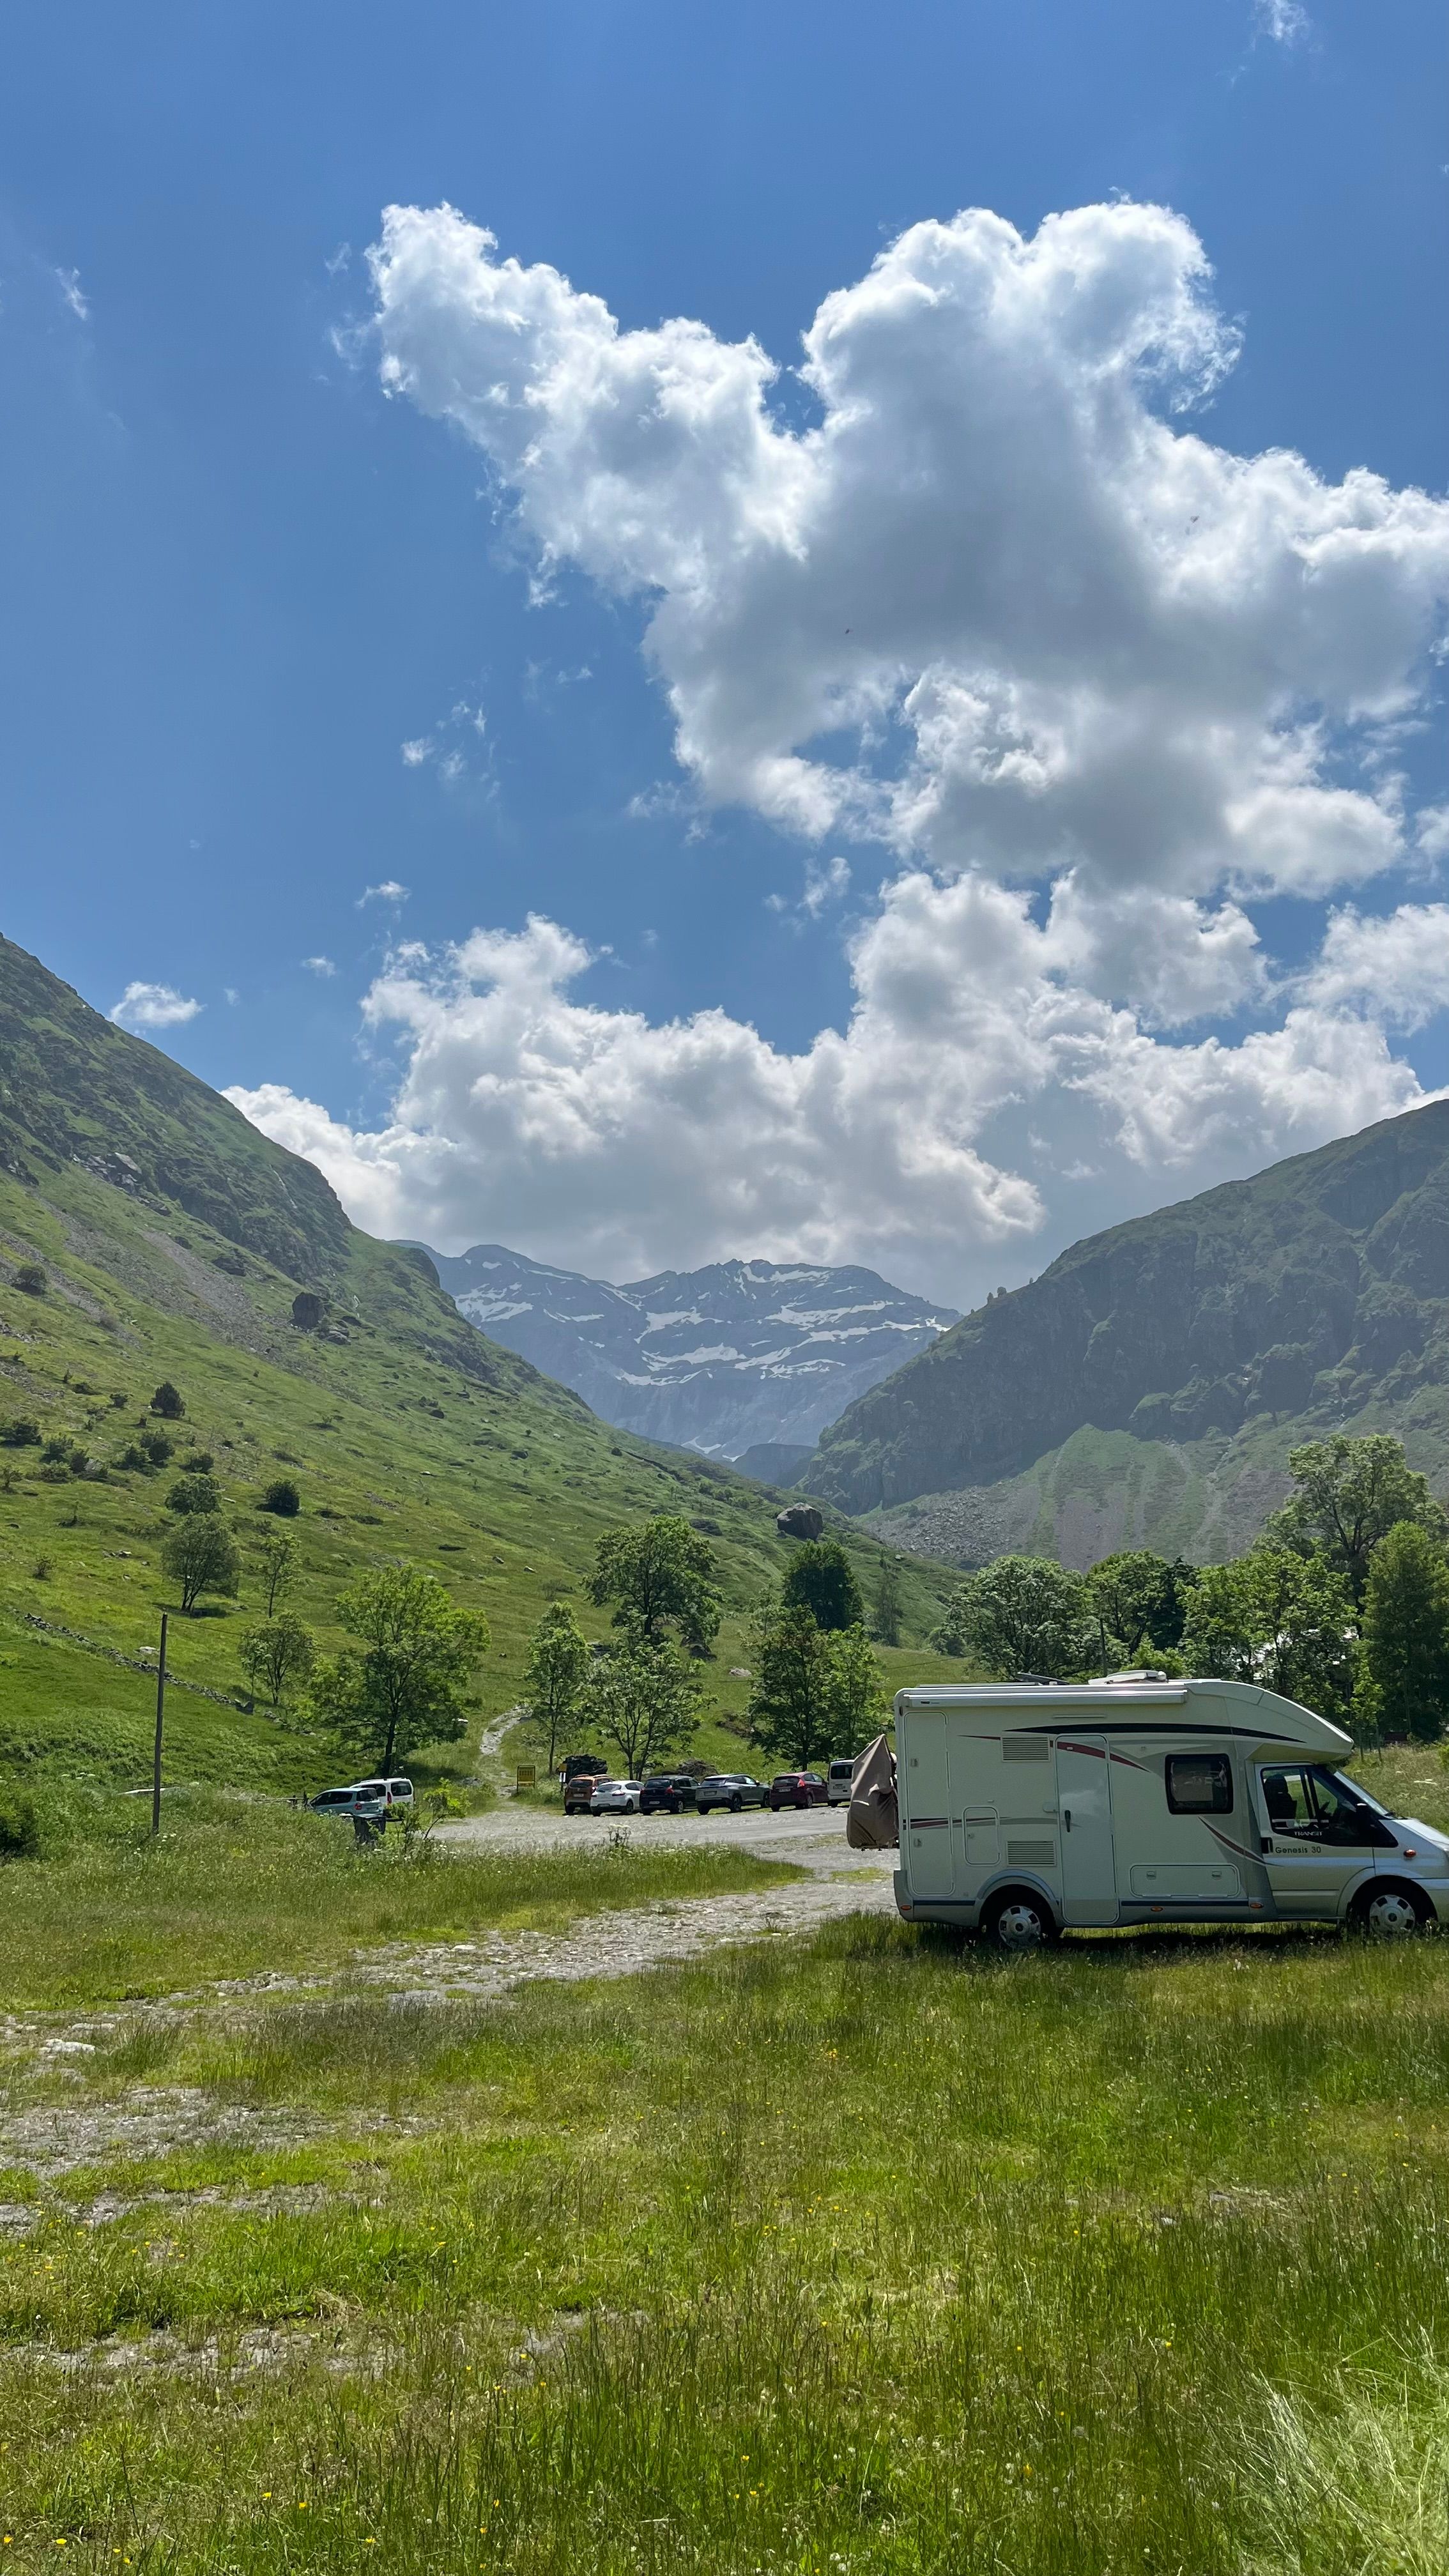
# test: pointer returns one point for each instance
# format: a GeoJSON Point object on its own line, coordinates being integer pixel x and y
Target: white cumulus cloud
{"type": "Point", "coordinates": [1084, 636]}
{"type": "Point", "coordinates": [153, 1006]}
{"type": "Point", "coordinates": [595, 1137]}
{"type": "Point", "coordinates": [1094, 684]}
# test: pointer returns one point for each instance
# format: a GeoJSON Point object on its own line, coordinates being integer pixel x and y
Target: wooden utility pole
{"type": "Point", "coordinates": [160, 1723]}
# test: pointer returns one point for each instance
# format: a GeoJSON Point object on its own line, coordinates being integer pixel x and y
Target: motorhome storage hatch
{"type": "Point", "coordinates": [1027, 1808]}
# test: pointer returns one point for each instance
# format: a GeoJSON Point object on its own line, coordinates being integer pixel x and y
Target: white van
{"type": "Point", "coordinates": [1028, 1807]}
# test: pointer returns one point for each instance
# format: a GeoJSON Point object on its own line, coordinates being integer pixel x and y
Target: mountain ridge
{"type": "Point", "coordinates": [732, 1356]}
{"type": "Point", "coordinates": [1312, 1297]}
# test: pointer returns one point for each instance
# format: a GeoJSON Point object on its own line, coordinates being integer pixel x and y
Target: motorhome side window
{"type": "Point", "coordinates": [1199, 1784]}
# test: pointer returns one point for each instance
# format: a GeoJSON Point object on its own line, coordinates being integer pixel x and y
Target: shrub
{"type": "Point", "coordinates": [56, 1448]}
{"type": "Point", "coordinates": [118, 1398]}
{"type": "Point", "coordinates": [19, 1825]}
{"type": "Point", "coordinates": [198, 1462]}
{"type": "Point", "coordinates": [20, 1433]}
{"type": "Point", "coordinates": [194, 1494]}
{"type": "Point", "coordinates": [43, 1568]}
{"type": "Point", "coordinates": [167, 1402]}
{"type": "Point", "coordinates": [78, 1461]}
{"type": "Point", "coordinates": [281, 1497]}
{"type": "Point", "coordinates": [31, 1279]}
{"type": "Point", "coordinates": [159, 1447]}
{"type": "Point", "coordinates": [134, 1458]}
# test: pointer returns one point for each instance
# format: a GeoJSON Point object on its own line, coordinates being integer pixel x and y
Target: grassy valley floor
{"type": "Point", "coordinates": [859, 2254]}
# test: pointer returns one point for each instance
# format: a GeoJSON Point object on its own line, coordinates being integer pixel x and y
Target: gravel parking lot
{"type": "Point", "coordinates": [811, 1838]}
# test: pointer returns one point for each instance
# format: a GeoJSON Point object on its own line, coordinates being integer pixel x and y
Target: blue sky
{"type": "Point", "coordinates": [239, 579]}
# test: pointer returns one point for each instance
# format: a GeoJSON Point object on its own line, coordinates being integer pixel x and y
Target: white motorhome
{"type": "Point", "coordinates": [1026, 1808]}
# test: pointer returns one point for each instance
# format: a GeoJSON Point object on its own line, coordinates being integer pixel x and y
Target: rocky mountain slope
{"type": "Point", "coordinates": [173, 1241]}
{"type": "Point", "coordinates": [1148, 1386]}
{"type": "Point", "coordinates": [720, 1359]}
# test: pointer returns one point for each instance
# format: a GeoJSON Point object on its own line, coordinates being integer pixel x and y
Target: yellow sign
{"type": "Point", "coordinates": [526, 1776]}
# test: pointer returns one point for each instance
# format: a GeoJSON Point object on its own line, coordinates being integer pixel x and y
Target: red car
{"type": "Point", "coordinates": [797, 1789]}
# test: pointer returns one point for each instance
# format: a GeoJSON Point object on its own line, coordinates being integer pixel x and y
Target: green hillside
{"type": "Point", "coordinates": [175, 1242]}
{"type": "Point", "coordinates": [1148, 1387]}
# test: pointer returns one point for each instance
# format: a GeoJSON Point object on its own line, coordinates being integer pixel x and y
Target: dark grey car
{"type": "Point", "coordinates": [732, 1789]}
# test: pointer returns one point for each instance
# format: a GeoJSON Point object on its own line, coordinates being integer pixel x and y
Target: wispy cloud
{"type": "Point", "coordinates": [320, 965]}
{"type": "Point", "coordinates": [68, 280]}
{"type": "Point", "coordinates": [453, 744]}
{"type": "Point", "coordinates": [388, 892]}
{"type": "Point", "coordinates": [154, 1006]}
{"type": "Point", "coordinates": [1284, 22]}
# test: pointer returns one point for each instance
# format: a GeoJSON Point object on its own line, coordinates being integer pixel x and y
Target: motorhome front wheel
{"type": "Point", "coordinates": [1390, 1910]}
{"type": "Point", "coordinates": [1019, 1921]}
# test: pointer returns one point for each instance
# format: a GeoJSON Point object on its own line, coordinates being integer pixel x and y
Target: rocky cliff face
{"type": "Point", "coordinates": [716, 1359]}
{"type": "Point", "coordinates": [1311, 1297]}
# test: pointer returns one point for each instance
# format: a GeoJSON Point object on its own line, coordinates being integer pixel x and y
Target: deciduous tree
{"type": "Point", "coordinates": [645, 1700]}
{"type": "Point", "coordinates": [858, 1699]}
{"type": "Point", "coordinates": [200, 1555]}
{"type": "Point", "coordinates": [1134, 1601]}
{"type": "Point", "coordinates": [277, 1657]}
{"type": "Point", "coordinates": [1277, 1618]}
{"type": "Point", "coordinates": [887, 1613]}
{"type": "Point", "coordinates": [554, 1675]}
{"type": "Point", "coordinates": [1404, 1689]}
{"type": "Point", "coordinates": [416, 1652]}
{"type": "Point", "coordinates": [1021, 1614]}
{"type": "Point", "coordinates": [1351, 1493]}
{"type": "Point", "coordinates": [278, 1565]}
{"type": "Point", "coordinates": [660, 1576]}
{"type": "Point", "coordinates": [793, 1704]}
{"type": "Point", "coordinates": [821, 1579]}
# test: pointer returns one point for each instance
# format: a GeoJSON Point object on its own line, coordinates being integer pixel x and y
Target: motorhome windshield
{"type": "Point", "coordinates": [1352, 1789]}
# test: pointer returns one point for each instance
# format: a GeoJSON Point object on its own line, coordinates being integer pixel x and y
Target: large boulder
{"type": "Point", "coordinates": [800, 1520]}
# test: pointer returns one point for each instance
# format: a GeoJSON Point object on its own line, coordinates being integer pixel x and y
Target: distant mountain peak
{"type": "Point", "coordinates": [737, 1354]}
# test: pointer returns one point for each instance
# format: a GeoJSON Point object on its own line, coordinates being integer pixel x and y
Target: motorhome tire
{"type": "Point", "coordinates": [1018, 1920]}
{"type": "Point", "coordinates": [1391, 1907]}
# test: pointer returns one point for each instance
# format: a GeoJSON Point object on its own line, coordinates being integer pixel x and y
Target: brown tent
{"type": "Point", "coordinates": [873, 1823]}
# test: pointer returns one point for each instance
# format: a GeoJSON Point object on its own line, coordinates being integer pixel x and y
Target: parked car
{"type": "Point", "coordinates": [837, 1781]}
{"type": "Point", "coordinates": [616, 1797]}
{"type": "Point", "coordinates": [372, 1800]}
{"type": "Point", "coordinates": [666, 1793]}
{"type": "Point", "coordinates": [796, 1789]}
{"type": "Point", "coordinates": [732, 1789]}
{"type": "Point", "coordinates": [579, 1790]}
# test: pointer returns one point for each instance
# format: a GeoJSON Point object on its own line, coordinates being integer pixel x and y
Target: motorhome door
{"type": "Point", "coordinates": [1084, 1804]}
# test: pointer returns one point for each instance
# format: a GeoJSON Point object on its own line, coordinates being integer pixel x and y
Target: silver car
{"type": "Point", "coordinates": [837, 1781]}
{"type": "Point", "coordinates": [373, 1801]}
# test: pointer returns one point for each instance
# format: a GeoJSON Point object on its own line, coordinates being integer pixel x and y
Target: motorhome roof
{"type": "Point", "coordinates": [1105, 1706]}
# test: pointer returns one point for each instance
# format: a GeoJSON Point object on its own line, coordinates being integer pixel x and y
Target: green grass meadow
{"type": "Point", "coordinates": [412, 1439]}
{"type": "Point", "coordinates": [860, 2254]}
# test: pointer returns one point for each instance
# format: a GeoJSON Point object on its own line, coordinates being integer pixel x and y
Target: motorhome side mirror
{"type": "Point", "coordinates": [1265, 1842]}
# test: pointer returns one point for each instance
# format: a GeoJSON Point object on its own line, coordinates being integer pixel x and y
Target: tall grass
{"type": "Point", "coordinates": [861, 2258]}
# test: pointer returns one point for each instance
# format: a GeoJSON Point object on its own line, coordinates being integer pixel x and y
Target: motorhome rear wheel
{"type": "Point", "coordinates": [1019, 1920]}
